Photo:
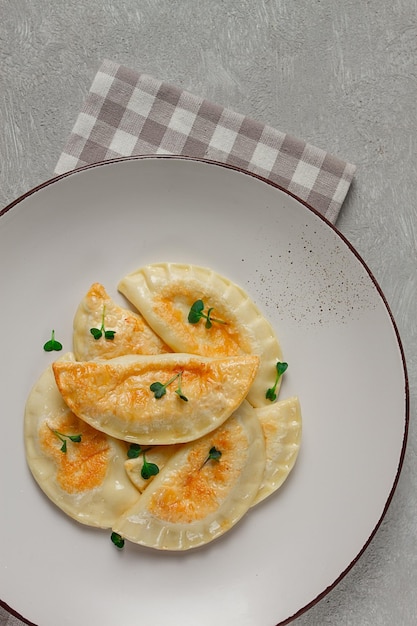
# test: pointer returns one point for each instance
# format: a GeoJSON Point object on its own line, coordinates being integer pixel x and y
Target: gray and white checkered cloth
{"type": "Point", "coordinates": [127, 113]}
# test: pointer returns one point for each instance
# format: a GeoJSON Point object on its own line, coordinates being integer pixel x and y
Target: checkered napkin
{"type": "Point", "coordinates": [127, 113]}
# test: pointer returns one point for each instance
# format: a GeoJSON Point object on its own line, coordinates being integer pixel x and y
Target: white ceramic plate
{"type": "Point", "coordinates": [345, 363]}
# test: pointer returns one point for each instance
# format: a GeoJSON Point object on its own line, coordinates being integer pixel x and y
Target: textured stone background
{"type": "Point", "coordinates": [339, 74]}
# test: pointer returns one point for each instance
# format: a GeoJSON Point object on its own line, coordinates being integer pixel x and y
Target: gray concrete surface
{"type": "Point", "coordinates": [339, 74]}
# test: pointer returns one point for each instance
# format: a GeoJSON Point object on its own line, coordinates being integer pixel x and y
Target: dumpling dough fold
{"type": "Point", "coordinates": [194, 500]}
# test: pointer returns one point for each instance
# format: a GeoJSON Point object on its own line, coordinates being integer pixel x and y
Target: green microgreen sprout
{"type": "Point", "coordinates": [99, 332]}
{"type": "Point", "coordinates": [213, 455]}
{"type": "Point", "coordinates": [160, 389]}
{"type": "Point", "coordinates": [118, 540]}
{"type": "Point", "coordinates": [196, 313]}
{"type": "Point", "coordinates": [63, 438]}
{"type": "Point", "coordinates": [52, 344]}
{"type": "Point", "coordinates": [134, 451]}
{"type": "Point", "coordinates": [281, 367]}
{"type": "Point", "coordinates": [148, 469]}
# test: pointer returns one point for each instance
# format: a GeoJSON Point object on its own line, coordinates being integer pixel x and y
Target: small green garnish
{"type": "Point", "coordinates": [63, 438]}
{"type": "Point", "coordinates": [160, 389]}
{"type": "Point", "coordinates": [99, 332]}
{"type": "Point", "coordinates": [213, 455]}
{"type": "Point", "coordinates": [148, 469]}
{"type": "Point", "coordinates": [52, 344]}
{"type": "Point", "coordinates": [281, 367]}
{"type": "Point", "coordinates": [134, 451]}
{"type": "Point", "coordinates": [197, 313]}
{"type": "Point", "coordinates": [118, 540]}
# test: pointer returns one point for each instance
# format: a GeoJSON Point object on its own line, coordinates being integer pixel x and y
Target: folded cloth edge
{"type": "Point", "coordinates": [127, 113]}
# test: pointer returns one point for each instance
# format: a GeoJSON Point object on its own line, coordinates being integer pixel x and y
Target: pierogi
{"type": "Point", "coordinates": [88, 482]}
{"type": "Point", "coordinates": [281, 427]}
{"type": "Point", "coordinates": [189, 380]}
{"type": "Point", "coordinates": [132, 335]}
{"type": "Point", "coordinates": [195, 499]}
{"type": "Point", "coordinates": [164, 294]}
{"type": "Point", "coordinates": [116, 395]}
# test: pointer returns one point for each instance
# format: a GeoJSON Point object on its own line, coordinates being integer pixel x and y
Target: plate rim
{"type": "Point", "coordinates": [352, 249]}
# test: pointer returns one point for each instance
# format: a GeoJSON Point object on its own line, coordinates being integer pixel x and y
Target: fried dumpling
{"type": "Point", "coordinates": [164, 294]}
{"type": "Point", "coordinates": [199, 495]}
{"type": "Point", "coordinates": [281, 426]}
{"type": "Point", "coordinates": [86, 479]}
{"type": "Point", "coordinates": [193, 394]}
{"type": "Point", "coordinates": [132, 335]}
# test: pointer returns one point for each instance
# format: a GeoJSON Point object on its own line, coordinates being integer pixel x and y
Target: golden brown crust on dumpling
{"type": "Point", "coordinates": [84, 465]}
{"type": "Point", "coordinates": [88, 482]}
{"type": "Point", "coordinates": [115, 395]}
{"type": "Point", "coordinates": [132, 333]}
{"type": "Point", "coordinates": [194, 500]}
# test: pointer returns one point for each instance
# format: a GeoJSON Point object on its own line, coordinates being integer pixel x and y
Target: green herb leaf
{"type": "Point", "coordinates": [158, 389]}
{"type": "Point", "coordinates": [178, 390]}
{"type": "Point", "coordinates": [74, 438]}
{"type": "Point", "coordinates": [63, 438]}
{"type": "Point", "coordinates": [99, 332]}
{"type": "Point", "coordinates": [213, 455]}
{"type": "Point", "coordinates": [96, 332]}
{"type": "Point", "coordinates": [148, 469]}
{"type": "Point", "coordinates": [181, 395]}
{"type": "Point", "coordinates": [196, 313]}
{"type": "Point", "coordinates": [281, 367]}
{"type": "Point", "coordinates": [270, 394]}
{"type": "Point", "coordinates": [118, 540]}
{"type": "Point", "coordinates": [52, 344]}
{"type": "Point", "coordinates": [134, 451]}
{"type": "Point", "coordinates": [208, 323]}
